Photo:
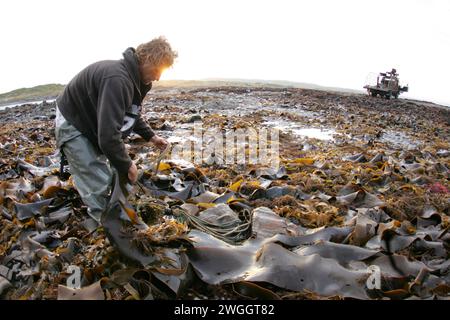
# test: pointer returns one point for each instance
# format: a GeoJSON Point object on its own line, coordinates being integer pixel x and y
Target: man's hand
{"type": "Point", "coordinates": [159, 142]}
{"type": "Point", "coordinates": [132, 173]}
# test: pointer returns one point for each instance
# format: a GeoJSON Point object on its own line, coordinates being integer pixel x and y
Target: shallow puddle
{"type": "Point", "coordinates": [400, 140]}
{"type": "Point", "coordinates": [298, 130]}
{"type": "Point", "coordinates": [315, 133]}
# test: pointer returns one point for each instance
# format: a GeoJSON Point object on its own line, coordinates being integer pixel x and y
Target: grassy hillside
{"type": "Point", "coordinates": [46, 91]}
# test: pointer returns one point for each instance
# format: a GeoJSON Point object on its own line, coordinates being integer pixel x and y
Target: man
{"type": "Point", "coordinates": [98, 109]}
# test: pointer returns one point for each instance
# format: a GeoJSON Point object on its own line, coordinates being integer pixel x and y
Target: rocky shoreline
{"type": "Point", "coordinates": [374, 192]}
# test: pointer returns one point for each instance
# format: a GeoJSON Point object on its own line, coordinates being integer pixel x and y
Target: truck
{"type": "Point", "coordinates": [387, 85]}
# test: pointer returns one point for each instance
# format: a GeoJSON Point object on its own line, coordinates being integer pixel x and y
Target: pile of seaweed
{"type": "Point", "coordinates": [364, 215]}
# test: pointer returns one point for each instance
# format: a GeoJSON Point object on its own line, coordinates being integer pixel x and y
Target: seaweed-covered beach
{"type": "Point", "coordinates": [358, 206]}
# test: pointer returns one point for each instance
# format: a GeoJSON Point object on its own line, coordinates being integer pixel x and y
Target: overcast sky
{"type": "Point", "coordinates": [325, 42]}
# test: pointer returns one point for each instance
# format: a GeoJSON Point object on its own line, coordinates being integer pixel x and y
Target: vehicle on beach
{"type": "Point", "coordinates": [387, 85]}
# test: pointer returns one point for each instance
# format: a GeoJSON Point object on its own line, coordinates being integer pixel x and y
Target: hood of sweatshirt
{"type": "Point", "coordinates": [132, 64]}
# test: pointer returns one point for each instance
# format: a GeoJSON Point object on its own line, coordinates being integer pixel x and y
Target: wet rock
{"type": "Point", "coordinates": [4, 285]}
{"type": "Point", "coordinates": [194, 118]}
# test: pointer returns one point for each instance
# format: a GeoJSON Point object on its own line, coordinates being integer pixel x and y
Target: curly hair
{"type": "Point", "coordinates": [158, 52]}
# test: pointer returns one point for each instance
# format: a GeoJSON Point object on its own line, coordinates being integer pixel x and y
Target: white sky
{"type": "Point", "coordinates": [330, 43]}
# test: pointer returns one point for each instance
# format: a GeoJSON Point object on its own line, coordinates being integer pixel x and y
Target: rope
{"type": "Point", "coordinates": [228, 232]}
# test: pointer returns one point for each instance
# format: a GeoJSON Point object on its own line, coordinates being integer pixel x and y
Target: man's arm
{"type": "Point", "coordinates": [143, 129]}
{"type": "Point", "coordinates": [115, 93]}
